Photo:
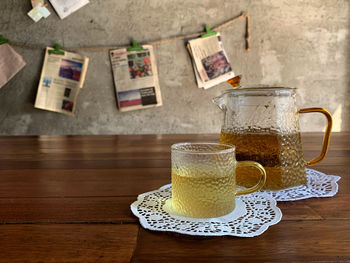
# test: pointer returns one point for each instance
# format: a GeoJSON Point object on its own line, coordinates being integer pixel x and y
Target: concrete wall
{"type": "Point", "coordinates": [296, 43]}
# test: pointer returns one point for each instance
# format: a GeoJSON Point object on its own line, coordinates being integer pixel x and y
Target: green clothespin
{"type": "Point", "coordinates": [3, 40]}
{"type": "Point", "coordinates": [57, 50]}
{"type": "Point", "coordinates": [135, 47]}
{"type": "Point", "coordinates": [209, 33]}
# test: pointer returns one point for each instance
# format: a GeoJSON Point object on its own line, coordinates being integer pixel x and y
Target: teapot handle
{"type": "Point", "coordinates": [327, 134]}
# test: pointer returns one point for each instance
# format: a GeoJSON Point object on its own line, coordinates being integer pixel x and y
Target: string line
{"type": "Point", "coordinates": [157, 42]}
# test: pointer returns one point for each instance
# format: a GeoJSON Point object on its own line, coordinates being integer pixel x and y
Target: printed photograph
{"type": "Point", "coordinates": [129, 98]}
{"type": "Point", "coordinates": [47, 82]}
{"type": "Point", "coordinates": [67, 92]}
{"type": "Point", "coordinates": [216, 65]}
{"type": "Point", "coordinates": [67, 105]}
{"type": "Point", "coordinates": [70, 70]}
{"type": "Point", "coordinates": [140, 65]}
{"type": "Point", "coordinates": [148, 96]}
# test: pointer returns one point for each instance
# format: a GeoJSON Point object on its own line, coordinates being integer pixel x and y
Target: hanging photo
{"type": "Point", "coordinates": [66, 7]}
{"type": "Point", "coordinates": [210, 62]}
{"type": "Point", "coordinates": [62, 77]}
{"type": "Point", "coordinates": [10, 63]}
{"type": "Point", "coordinates": [136, 79]}
{"type": "Point", "coordinates": [39, 10]}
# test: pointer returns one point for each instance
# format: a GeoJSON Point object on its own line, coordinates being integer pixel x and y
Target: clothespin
{"type": "Point", "coordinates": [57, 50]}
{"type": "Point", "coordinates": [135, 47]}
{"type": "Point", "coordinates": [3, 40]}
{"type": "Point", "coordinates": [209, 33]}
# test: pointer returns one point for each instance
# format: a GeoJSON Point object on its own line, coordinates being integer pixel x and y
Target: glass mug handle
{"type": "Point", "coordinates": [327, 134]}
{"type": "Point", "coordinates": [261, 182]}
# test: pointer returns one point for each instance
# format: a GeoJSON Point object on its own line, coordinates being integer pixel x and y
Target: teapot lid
{"type": "Point", "coordinates": [261, 86]}
{"type": "Point", "coordinates": [261, 90]}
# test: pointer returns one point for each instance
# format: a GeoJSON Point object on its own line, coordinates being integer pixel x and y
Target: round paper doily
{"type": "Point", "coordinates": [252, 216]}
{"type": "Point", "coordinates": [318, 185]}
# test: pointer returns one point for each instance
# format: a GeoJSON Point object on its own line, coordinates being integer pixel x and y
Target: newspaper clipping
{"type": "Point", "coordinates": [135, 78]}
{"type": "Point", "coordinates": [10, 63]}
{"type": "Point", "coordinates": [66, 7]}
{"type": "Point", "coordinates": [61, 79]}
{"type": "Point", "coordinates": [210, 62]}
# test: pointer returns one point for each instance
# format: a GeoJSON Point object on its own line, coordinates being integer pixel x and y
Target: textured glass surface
{"type": "Point", "coordinates": [203, 179]}
{"type": "Point", "coordinates": [264, 127]}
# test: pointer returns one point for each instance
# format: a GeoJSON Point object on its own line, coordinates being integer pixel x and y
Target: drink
{"type": "Point", "coordinates": [196, 195]}
{"type": "Point", "coordinates": [204, 179]}
{"type": "Point", "coordinates": [280, 154]}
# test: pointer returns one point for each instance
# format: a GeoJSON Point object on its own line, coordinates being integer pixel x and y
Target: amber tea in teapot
{"type": "Point", "coordinates": [262, 122]}
{"type": "Point", "coordinates": [265, 148]}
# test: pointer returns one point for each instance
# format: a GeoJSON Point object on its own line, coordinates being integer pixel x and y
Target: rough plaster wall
{"type": "Point", "coordinates": [295, 43]}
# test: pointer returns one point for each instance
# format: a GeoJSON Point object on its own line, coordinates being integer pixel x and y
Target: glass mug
{"type": "Point", "coordinates": [203, 177]}
{"type": "Point", "coordinates": [263, 123]}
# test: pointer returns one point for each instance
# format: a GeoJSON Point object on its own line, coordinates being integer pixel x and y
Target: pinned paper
{"type": "Point", "coordinates": [66, 7]}
{"type": "Point", "coordinates": [38, 12]}
{"type": "Point", "coordinates": [62, 77]}
{"type": "Point", "coordinates": [43, 11]}
{"type": "Point", "coordinates": [210, 62]}
{"type": "Point", "coordinates": [136, 77]}
{"type": "Point", "coordinates": [10, 63]}
{"type": "Point", "coordinates": [37, 2]}
{"type": "Point", "coordinates": [35, 14]}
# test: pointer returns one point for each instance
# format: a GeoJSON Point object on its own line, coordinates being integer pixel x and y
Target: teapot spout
{"type": "Point", "coordinates": [220, 102]}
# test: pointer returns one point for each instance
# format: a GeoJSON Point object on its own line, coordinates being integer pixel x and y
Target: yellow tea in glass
{"type": "Point", "coordinates": [204, 179]}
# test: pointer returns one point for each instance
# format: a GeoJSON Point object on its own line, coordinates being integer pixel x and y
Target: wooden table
{"type": "Point", "coordinates": [67, 198]}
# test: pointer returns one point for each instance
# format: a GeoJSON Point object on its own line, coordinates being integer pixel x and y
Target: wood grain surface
{"type": "Point", "coordinates": [67, 199]}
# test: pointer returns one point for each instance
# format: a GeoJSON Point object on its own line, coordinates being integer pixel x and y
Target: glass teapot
{"type": "Point", "coordinates": [263, 123]}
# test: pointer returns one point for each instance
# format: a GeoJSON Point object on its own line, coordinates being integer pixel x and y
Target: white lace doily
{"type": "Point", "coordinates": [318, 185]}
{"type": "Point", "coordinates": [252, 216]}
